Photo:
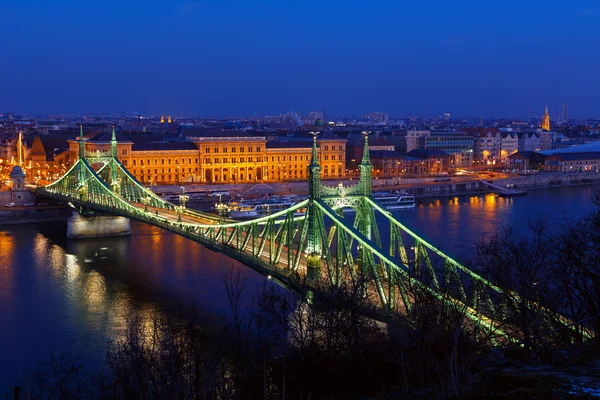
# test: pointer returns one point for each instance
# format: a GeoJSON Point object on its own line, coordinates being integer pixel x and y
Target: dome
{"type": "Point", "coordinates": [17, 172]}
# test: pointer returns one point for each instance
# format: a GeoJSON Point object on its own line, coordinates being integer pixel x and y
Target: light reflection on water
{"type": "Point", "coordinates": [54, 291]}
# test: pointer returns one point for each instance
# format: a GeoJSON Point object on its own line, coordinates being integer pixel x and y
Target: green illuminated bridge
{"type": "Point", "coordinates": [309, 250]}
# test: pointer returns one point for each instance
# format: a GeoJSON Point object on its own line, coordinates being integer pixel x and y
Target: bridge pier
{"type": "Point", "coordinates": [84, 227]}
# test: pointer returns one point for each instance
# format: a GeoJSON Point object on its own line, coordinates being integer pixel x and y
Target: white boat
{"type": "Point", "coordinates": [395, 201]}
{"type": "Point", "coordinates": [255, 209]}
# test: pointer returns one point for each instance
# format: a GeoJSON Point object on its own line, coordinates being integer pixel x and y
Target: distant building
{"type": "Point", "coordinates": [546, 139]}
{"type": "Point", "coordinates": [563, 113]}
{"type": "Point", "coordinates": [355, 147]}
{"type": "Point", "coordinates": [432, 161]}
{"type": "Point", "coordinates": [529, 141]}
{"type": "Point", "coordinates": [573, 162]}
{"type": "Point", "coordinates": [459, 146]}
{"type": "Point", "coordinates": [379, 117]}
{"type": "Point", "coordinates": [526, 160]}
{"type": "Point", "coordinates": [412, 138]}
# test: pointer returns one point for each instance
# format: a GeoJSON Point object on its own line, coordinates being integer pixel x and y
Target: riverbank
{"type": "Point", "coordinates": [33, 215]}
{"type": "Point", "coordinates": [426, 187]}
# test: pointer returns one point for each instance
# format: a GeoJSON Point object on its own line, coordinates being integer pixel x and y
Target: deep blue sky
{"type": "Point", "coordinates": [240, 57]}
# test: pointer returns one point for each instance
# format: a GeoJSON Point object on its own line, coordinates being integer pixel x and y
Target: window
{"type": "Point", "coordinates": [169, 161]}
{"type": "Point", "coordinates": [249, 149]}
{"type": "Point", "coordinates": [124, 152]}
{"type": "Point", "coordinates": [196, 160]}
{"type": "Point", "coordinates": [162, 161]}
{"type": "Point", "coordinates": [326, 148]}
{"type": "Point", "coordinates": [134, 163]}
{"type": "Point", "coordinates": [272, 158]}
{"type": "Point", "coordinates": [340, 147]}
{"type": "Point", "coordinates": [233, 149]}
{"type": "Point", "coordinates": [257, 149]}
{"type": "Point", "coordinates": [333, 157]}
{"type": "Point", "coordinates": [295, 158]}
{"type": "Point", "coordinates": [207, 150]}
{"type": "Point", "coordinates": [224, 149]}
{"type": "Point", "coordinates": [216, 149]}
{"type": "Point", "coordinates": [242, 149]}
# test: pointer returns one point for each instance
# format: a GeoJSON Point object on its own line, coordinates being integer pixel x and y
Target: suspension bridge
{"type": "Point", "coordinates": [307, 250]}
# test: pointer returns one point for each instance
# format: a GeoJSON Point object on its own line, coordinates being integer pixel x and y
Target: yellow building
{"type": "Point", "coordinates": [218, 157]}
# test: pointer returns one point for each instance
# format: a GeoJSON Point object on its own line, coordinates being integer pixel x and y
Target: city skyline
{"type": "Point", "coordinates": [196, 58]}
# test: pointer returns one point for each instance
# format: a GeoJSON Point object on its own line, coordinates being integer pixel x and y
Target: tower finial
{"type": "Point", "coordinates": [81, 143]}
{"type": "Point", "coordinates": [366, 168]}
{"type": "Point", "coordinates": [113, 143]}
{"type": "Point", "coordinates": [366, 160]}
{"type": "Point", "coordinates": [314, 160]}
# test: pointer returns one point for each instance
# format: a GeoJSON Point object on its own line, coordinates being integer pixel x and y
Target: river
{"type": "Point", "coordinates": [56, 293]}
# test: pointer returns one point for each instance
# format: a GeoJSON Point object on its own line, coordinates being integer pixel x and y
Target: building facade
{"type": "Point", "coordinates": [223, 157]}
{"type": "Point", "coordinates": [573, 162]}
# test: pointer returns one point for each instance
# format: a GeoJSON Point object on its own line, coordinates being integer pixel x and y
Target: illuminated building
{"type": "Point", "coordinates": [573, 162]}
{"type": "Point", "coordinates": [459, 145]}
{"type": "Point", "coordinates": [491, 144]}
{"type": "Point", "coordinates": [546, 120]}
{"type": "Point", "coordinates": [218, 156]}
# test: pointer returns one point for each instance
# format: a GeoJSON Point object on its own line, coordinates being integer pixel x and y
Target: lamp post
{"type": "Point", "coordinates": [179, 210]}
{"type": "Point", "coordinates": [183, 198]}
{"type": "Point", "coordinates": [221, 209]}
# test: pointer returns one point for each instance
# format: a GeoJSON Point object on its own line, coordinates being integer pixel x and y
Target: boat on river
{"type": "Point", "coordinates": [247, 209]}
{"type": "Point", "coordinates": [395, 201]}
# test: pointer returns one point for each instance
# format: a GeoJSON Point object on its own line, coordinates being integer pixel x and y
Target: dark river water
{"type": "Point", "coordinates": [56, 293]}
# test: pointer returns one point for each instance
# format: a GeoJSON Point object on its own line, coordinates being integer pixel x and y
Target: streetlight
{"type": "Point", "coordinates": [179, 210]}
{"type": "Point", "coordinates": [183, 198]}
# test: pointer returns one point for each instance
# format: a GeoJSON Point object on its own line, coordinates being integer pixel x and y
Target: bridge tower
{"type": "Point", "coordinates": [84, 224]}
{"type": "Point", "coordinates": [114, 179]}
{"type": "Point", "coordinates": [314, 245]}
{"type": "Point", "coordinates": [365, 168]}
{"type": "Point", "coordinates": [81, 174]}
{"type": "Point", "coordinates": [364, 211]}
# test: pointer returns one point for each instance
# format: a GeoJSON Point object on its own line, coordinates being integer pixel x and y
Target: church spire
{"type": "Point", "coordinates": [546, 120]}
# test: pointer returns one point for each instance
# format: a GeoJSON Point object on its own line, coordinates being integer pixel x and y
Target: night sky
{"type": "Point", "coordinates": [221, 57]}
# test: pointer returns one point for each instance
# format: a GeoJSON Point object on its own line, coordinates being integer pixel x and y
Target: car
{"type": "Point", "coordinates": [11, 204]}
{"type": "Point", "coordinates": [31, 203]}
